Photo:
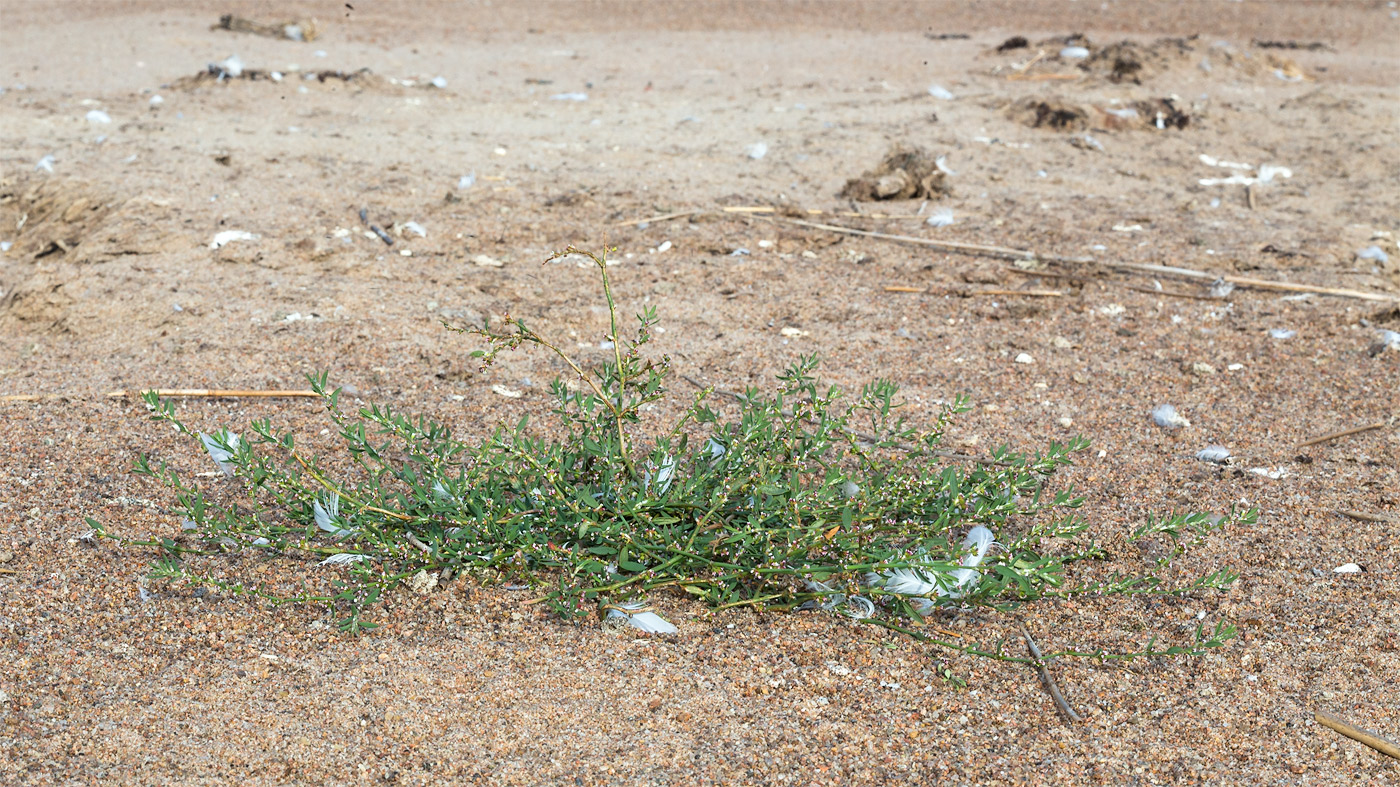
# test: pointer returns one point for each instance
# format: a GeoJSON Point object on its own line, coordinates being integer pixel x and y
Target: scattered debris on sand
{"type": "Point", "coordinates": [291, 30]}
{"type": "Point", "coordinates": [906, 172]}
{"type": "Point", "coordinates": [1057, 114]}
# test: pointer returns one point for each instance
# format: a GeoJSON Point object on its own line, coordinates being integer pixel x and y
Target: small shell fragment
{"type": "Point", "coordinates": [1373, 253]}
{"type": "Point", "coordinates": [229, 236]}
{"type": "Point", "coordinates": [1348, 568]}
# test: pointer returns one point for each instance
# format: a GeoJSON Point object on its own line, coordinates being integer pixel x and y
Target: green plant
{"type": "Point", "coordinates": [796, 499]}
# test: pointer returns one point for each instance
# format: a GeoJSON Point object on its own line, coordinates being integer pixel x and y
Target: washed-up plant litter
{"type": "Point", "coordinates": [800, 498]}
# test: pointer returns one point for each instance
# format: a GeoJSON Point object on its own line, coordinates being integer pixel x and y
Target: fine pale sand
{"type": "Point", "coordinates": [109, 283]}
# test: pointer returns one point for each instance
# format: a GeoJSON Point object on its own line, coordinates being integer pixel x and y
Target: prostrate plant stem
{"type": "Point", "coordinates": [799, 498]}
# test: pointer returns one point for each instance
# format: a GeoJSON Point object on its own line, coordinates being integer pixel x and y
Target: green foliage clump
{"type": "Point", "coordinates": [799, 498]}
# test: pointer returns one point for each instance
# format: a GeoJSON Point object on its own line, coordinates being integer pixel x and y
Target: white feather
{"type": "Point", "coordinates": [1217, 454]}
{"type": "Point", "coordinates": [941, 217]}
{"type": "Point", "coordinates": [327, 516]}
{"type": "Point", "coordinates": [715, 447]}
{"type": "Point", "coordinates": [343, 559]}
{"type": "Point", "coordinates": [220, 455]}
{"type": "Point", "coordinates": [860, 607]}
{"type": "Point", "coordinates": [638, 616]}
{"type": "Point", "coordinates": [920, 583]}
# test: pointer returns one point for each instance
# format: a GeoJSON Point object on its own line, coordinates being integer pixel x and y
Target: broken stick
{"type": "Point", "coordinates": [1049, 680]}
{"type": "Point", "coordinates": [1241, 281]}
{"type": "Point", "coordinates": [1367, 737]}
{"type": "Point", "coordinates": [966, 248]}
{"type": "Point", "coordinates": [1343, 433]}
{"type": "Point", "coordinates": [211, 393]}
{"type": "Point", "coordinates": [1362, 516]}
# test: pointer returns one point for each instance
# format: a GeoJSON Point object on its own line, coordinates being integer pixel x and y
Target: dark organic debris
{"type": "Point", "coordinates": [292, 29]}
{"type": "Point", "coordinates": [1052, 114]}
{"type": "Point", "coordinates": [1057, 114]}
{"type": "Point", "coordinates": [1014, 42]}
{"type": "Point", "coordinates": [1129, 61]}
{"type": "Point", "coordinates": [905, 173]}
{"type": "Point", "coordinates": [1311, 46]}
{"type": "Point", "coordinates": [216, 73]}
{"type": "Point", "coordinates": [1162, 113]}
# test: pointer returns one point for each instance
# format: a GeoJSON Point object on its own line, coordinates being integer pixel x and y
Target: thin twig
{"type": "Point", "coordinates": [1000, 252]}
{"type": "Point", "coordinates": [1041, 77]}
{"type": "Point", "coordinates": [1034, 293]}
{"type": "Point", "coordinates": [8, 571]}
{"type": "Point", "coordinates": [1193, 296]}
{"type": "Point", "coordinates": [656, 219]}
{"type": "Point", "coordinates": [1241, 281]}
{"type": "Point", "coordinates": [765, 209]}
{"type": "Point", "coordinates": [1024, 67]}
{"type": "Point", "coordinates": [1343, 433]}
{"type": "Point", "coordinates": [1049, 680]}
{"type": "Point", "coordinates": [1382, 745]}
{"type": "Point", "coordinates": [1362, 516]}
{"type": "Point", "coordinates": [191, 392]}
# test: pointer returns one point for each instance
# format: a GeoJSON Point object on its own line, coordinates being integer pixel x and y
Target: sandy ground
{"type": "Point", "coordinates": [109, 283]}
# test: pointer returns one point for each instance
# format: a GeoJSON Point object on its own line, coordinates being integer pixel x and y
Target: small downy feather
{"type": "Point", "coordinates": [343, 559]}
{"type": "Point", "coordinates": [979, 540]}
{"type": "Point", "coordinates": [440, 491]}
{"type": "Point", "coordinates": [663, 476]}
{"type": "Point", "coordinates": [327, 515]}
{"type": "Point", "coordinates": [829, 602]}
{"type": "Point", "coordinates": [639, 616]}
{"type": "Point", "coordinates": [920, 584]}
{"type": "Point", "coordinates": [220, 455]}
{"type": "Point", "coordinates": [860, 607]}
{"type": "Point", "coordinates": [716, 449]}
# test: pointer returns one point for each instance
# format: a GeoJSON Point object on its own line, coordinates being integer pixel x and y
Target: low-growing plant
{"type": "Point", "coordinates": [804, 497]}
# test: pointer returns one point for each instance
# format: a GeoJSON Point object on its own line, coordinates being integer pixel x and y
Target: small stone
{"type": "Point", "coordinates": [1202, 369]}
{"type": "Point", "coordinates": [1066, 422]}
{"type": "Point", "coordinates": [423, 582]}
{"type": "Point", "coordinates": [1024, 358]}
{"type": "Point", "coordinates": [1348, 568]}
{"type": "Point", "coordinates": [1061, 343]}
